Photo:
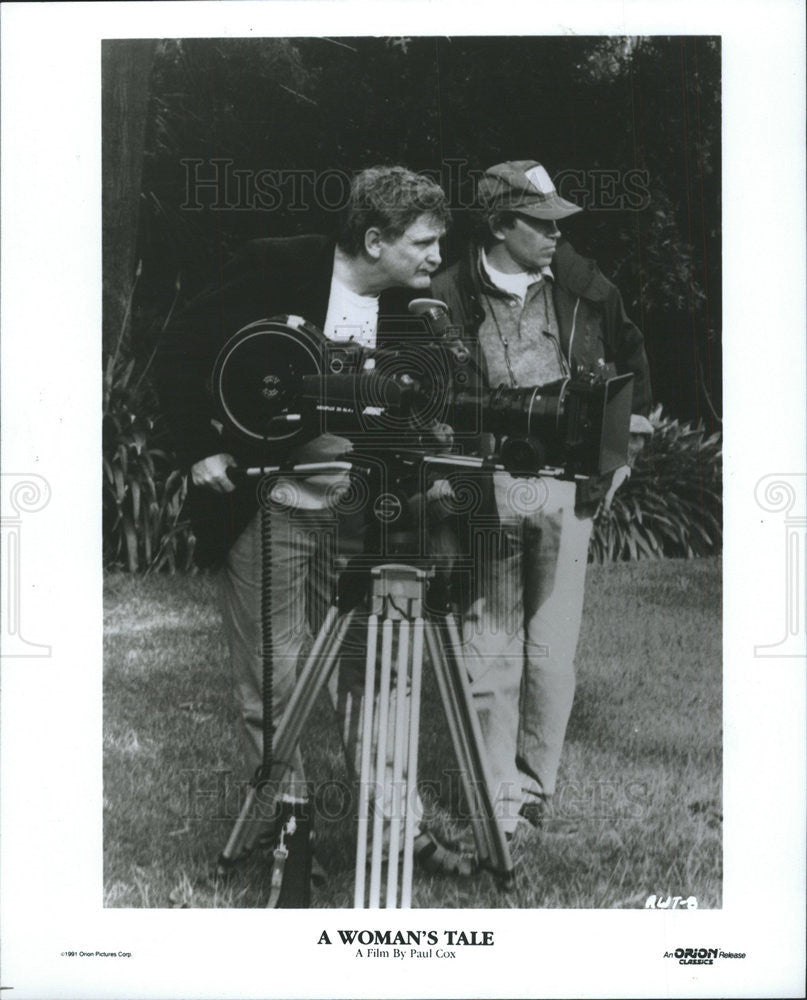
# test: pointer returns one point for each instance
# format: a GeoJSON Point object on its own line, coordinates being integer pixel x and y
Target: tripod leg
{"type": "Point", "coordinates": [254, 818]}
{"type": "Point", "coordinates": [500, 851]}
{"type": "Point", "coordinates": [366, 754]}
{"type": "Point", "coordinates": [398, 754]}
{"type": "Point", "coordinates": [412, 765]}
{"type": "Point", "coordinates": [466, 735]}
{"type": "Point", "coordinates": [377, 856]}
{"type": "Point", "coordinates": [403, 733]}
{"type": "Point", "coordinates": [312, 679]}
{"type": "Point", "coordinates": [398, 592]}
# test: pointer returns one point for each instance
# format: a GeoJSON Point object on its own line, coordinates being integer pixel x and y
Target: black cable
{"type": "Point", "coordinates": [267, 662]}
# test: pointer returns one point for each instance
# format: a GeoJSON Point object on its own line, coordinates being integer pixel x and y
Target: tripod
{"type": "Point", "coordinates": [393, 594]}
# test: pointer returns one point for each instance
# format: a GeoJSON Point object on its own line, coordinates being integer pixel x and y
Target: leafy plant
{"type": "Point", "coordinates": [672, 503]}
{"type": "Point", "coordinates": [143, 492]}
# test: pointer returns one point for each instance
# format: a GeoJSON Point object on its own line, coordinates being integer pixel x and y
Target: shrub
{"type": "Point", "coordinates": [142, 491]}
{"type": "Point", "coordinates": [672, 503]}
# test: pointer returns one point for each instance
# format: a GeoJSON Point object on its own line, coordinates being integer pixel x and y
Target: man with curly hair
{"type": "Point", "coordinates": [388, 247]}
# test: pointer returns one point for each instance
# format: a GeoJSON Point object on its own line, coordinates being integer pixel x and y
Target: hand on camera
{"type": "Point", "coordinates": [618, 478]}
{"type": "Point", "coordinates": [635, 445]}
{"type": "Point", "coordinates": [439, 436]}
{"type": "Point", "coordinates": [440, 490]}
{"type": "Point", "coordinates": [211, 473]}
{"type": "Point", "coordinates": [436, 501]}
{"type": "Point", "coordinates": [641, 429]}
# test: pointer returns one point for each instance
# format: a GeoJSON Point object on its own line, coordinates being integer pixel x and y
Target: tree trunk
{"type": "Point", "coordinates": [126, 67]}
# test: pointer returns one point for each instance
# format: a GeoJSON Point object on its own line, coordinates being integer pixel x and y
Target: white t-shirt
{"type": "Point", "coordinates": [514, 284]}
{"type": "Point", "coordinates": [351, 316]}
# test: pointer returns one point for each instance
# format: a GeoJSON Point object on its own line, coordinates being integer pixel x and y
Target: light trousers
{"type": "Point", "coordinates": [520, 634]}
{"type": "Point", "coordinates": [303, 547]}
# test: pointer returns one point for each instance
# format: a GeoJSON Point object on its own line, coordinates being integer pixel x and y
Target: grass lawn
{"type": "Point", "coordinates": [640, 776]}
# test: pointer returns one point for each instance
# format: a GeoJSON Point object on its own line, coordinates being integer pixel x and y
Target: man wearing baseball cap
{"type": "Point", "coordinates": [538, 312]}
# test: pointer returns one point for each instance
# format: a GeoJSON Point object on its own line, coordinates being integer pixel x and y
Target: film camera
{"type": "Point", "coordinates": [280, 383]}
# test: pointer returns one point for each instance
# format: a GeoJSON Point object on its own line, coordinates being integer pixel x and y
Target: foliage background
{"type": "Point", "coordinates": [593, 110]}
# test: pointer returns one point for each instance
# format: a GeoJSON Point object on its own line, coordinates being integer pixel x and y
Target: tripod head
{"type": "Point", "coordinates": [388, 488]}
{"type": "Point", "coordinates": [396, 502]}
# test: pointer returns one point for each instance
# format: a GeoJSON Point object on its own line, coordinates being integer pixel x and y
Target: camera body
{"type": "Point", "coordinates": [279, 383]}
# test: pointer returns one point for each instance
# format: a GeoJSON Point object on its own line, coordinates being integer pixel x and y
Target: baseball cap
{"type": "Point", "coordinates": [523, 186]}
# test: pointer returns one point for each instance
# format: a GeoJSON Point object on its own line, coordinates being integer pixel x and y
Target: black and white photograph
{"type": "Point", "coordinates": [403, 500]}
{"type": "Point", "coordinates": [475, 333]}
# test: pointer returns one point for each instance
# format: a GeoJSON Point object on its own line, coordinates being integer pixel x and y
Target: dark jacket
{"type": "Point", "coordinates": [270, 277]}
{"type": "Point", "coordinates": [591, 316]}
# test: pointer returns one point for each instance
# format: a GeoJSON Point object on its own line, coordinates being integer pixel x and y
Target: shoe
{"type": "Point", "coordinates": [537, 811]}
{"type": "Point", "coordinates": [442, 859]}
{"type": "Point", "coordinates": [533, 812]}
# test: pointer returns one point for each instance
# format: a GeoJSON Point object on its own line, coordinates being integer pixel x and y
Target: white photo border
{"type": "Point", "coordinates": [51, 705]}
